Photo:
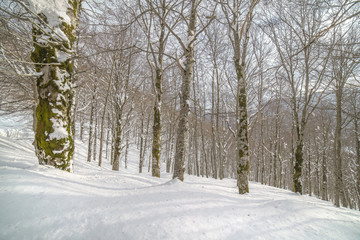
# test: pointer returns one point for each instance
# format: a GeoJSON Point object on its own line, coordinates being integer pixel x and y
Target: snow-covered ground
{"type": "Point", "coordinates": [39, 202]}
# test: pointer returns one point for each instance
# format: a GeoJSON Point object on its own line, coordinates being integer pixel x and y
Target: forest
{"type": "Point", "coordinates": [255, 90]}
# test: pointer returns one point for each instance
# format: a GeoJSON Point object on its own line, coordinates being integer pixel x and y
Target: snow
{"type": "Point", "coordinates": [59, 130]}
{"type": "Point", "coordinates": [55, 13]}
{"type": "Point", "coordinates": [61, 55]}
{"type": "Point", "coordinates": [61, 82]}
{"type": "Point", "coordinates": [41, 202]}
{"type": "Point", "coordinates": [52, 9]}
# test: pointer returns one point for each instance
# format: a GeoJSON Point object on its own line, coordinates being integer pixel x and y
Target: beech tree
{"type": "Point", "coordinates": [54, 35]}
{"type": "Point", "coordinates": [239, 36]}
{"type": "Point", "coordinates": [155, 25]}
{"type": "Point", "coordinates": [185, 65]}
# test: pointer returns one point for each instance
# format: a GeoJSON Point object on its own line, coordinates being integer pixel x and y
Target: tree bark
{"type": "Point", "coordinates": [337, 147]}
{"type": "Point", "coordinates": [54, 133]}
{"type": "Point", "coordinates": [92, 109]}
{"type": "Point", "coordinates": [104, 112]}
{"type": "Point", "coordinates": [182, 130]}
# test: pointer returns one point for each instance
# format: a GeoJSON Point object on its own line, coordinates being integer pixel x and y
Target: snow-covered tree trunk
{"type": "Point", "coordinates": [54, 35]}
{"type": "Point", "coordinates": [183, 126]}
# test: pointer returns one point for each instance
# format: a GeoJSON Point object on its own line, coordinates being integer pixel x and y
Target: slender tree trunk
{"type": "Point", "coordinates": [156, 145]}
{"type": "Point", "coordinates": [337, 148]}
{"type": "Point", "coordinates": [126, 150]}
{"type": "Point", "coordinates": [185, 96]}
{"type": "Point", "coordinates": [95, 132]}
{"type": "Point", "coordinates": [309, 175]}
{"type": "Point", "coordinates": [113, 136]}
{"type": "Point", "coordinates": [196, 144]}
{"type": "Point", "coordinates": [81, 117]}
{"type": "Point", "coordinates": [262, 152]}
{"type": "Point", "coordinates": [357, 140]}
{"type": "Point", "coordinates": [141, 157]}
{"type": "Point", "coordinates": [117, 143]}
{"type": "Point", "coordinates": [146, 142]}
{"type": "Point", "coordinates": [171, 136]}
{"type": "Point", "coordinates": [189, 154]}
{"type": "Point", "coordinates": [213, 129]}
{"type": "Point", "coordinates": [92, 110]}
{"type": "Point", "coordinates": [242, 160]}
{"type": "Point", "coordinates": [203, 169]}
{"type": "Point", "coordinates": [324, 176]}
{"type": "Point", "coordinates": [104, 111]}
{"type": "Point", "coordinates": [242, 133]}
{"type": "Point", "coordinates": [108, 136]}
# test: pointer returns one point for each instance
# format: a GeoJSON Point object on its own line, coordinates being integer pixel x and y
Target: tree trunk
{"type": "Point", "coordinates": [95, 132]}
{"type": "Point", "coordinates": [196, 144]}
{"type": "Point", "coordinates": [298, 166]}
{"type": "Point", "coordinates": [92, 110]}
{"type": "Point", "coordinates": [324, 195]}
{"type": "Point", "coordinates": [126, 151]}
{"type": "Point", "coordinates": [182, 130]}
{"type": "Point", "coordinates": [141, 157]}
{"type": "Point", "coordinates": [108, 136]}
{"type": "Point", "coordinates": [104, 111]}
{"type": "Point", "coordinates": [242, 142]}
{"type": "Point", "coordinates": [357, 140]}
{"type": "Point", "coordinates": [337, 148]}
{"type": "Point", "coordinates": [242, 133]}
{"type": "Point", "coordinates": [54, 133]}
{"type": "Point", "coordinates": [213, 129]}
{"type": "Point", "coordinates": [117, 143]}
{"type": "Point", "coordinates": [156, 145]}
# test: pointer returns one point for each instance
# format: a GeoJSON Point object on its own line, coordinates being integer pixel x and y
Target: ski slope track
{"type": "Point", "coordinates": [40, 202]}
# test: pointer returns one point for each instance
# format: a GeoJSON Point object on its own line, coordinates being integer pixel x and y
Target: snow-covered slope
{"type": "Point", "coordinates": [39, 202]}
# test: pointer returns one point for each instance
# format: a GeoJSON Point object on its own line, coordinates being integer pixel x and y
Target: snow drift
{"type": "Point", "coordinates": [40, 202]}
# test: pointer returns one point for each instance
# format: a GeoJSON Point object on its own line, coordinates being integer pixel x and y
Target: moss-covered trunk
{"type": "Point", "coordinates": [242, 133]}
{"type": "Point", "coordinates": [52, 55]}
{"type": "Point", "coordinates": [156, 145]}
{"type": "Point", "coordinates": [240, 53]}
{"type": "Point", "coordinates": [299, 159]}
{"type": "Point", "coordinates": [117, 143]}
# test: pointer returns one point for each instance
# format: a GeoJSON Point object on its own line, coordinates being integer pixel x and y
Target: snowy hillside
{"type": "Point", "coordinates": [39, 202]}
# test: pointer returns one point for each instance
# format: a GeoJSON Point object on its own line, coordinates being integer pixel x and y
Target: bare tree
{"type": "Point", "coordinates": [239, 36]}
